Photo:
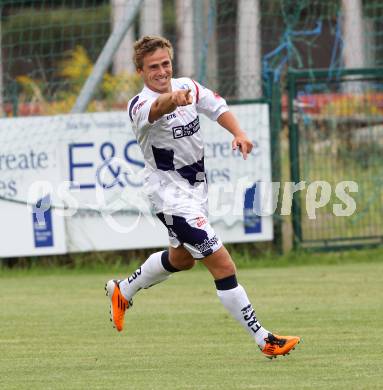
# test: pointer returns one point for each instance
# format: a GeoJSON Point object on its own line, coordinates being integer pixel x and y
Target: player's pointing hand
{"type": "Point", "coordinates": [182, 97]}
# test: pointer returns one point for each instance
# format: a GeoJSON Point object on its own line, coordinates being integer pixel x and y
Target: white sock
{"type": "Point", "coordinates": [237, 303]}
{"type": "Point", "coordinates": [156, 269]}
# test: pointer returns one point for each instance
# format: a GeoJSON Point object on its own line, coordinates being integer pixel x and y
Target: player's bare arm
{"type": "Point", "coordinates": [168, 102]}
{"type": "Point", "coordinates": [230, 123]}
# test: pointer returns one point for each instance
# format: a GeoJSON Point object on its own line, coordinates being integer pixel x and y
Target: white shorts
{"type": "Point", "coordinates": [183, 209]}
{"type": "Point", "coordinates": [193, 232]}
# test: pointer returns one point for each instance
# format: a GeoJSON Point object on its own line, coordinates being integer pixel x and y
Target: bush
{"type": "Point", "coordinates": [115, 90]}
{"type": "Point", "coordinates": [35, 40]}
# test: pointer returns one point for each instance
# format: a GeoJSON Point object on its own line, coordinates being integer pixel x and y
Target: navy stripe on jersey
{"type": "Point", "coordinates": [163, 158]}
{"type": "Point", "coordinates": [193, 173]}
{"type": "Point", "coordinates": [134, 101]}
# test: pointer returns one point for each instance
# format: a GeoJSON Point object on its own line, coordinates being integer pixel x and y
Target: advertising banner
{"type": "Point", "coordinates": [81, 176]}
{"type": "Point", "coordinates": [28, 155]}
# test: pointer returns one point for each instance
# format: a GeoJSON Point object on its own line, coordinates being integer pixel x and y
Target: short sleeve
{"type": "Point", "coordinates": [208, 102]}
{"type": "Point", "coordinates": [139, 109]}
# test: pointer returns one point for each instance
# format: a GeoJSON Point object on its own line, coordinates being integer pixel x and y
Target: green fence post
{"type": "Point", "coordinates": [294, 158]}
{"type": "Point", "coordinates": [274, 91]}
{"type": "Point", "coordinates": [15, 99]}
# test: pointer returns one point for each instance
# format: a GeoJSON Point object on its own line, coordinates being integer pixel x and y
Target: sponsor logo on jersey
{"type": "Point", "coordinates": [186, 130]}
{"type": "Point", "coordinates": [207, 244]}
{"type": "Point", "coordinates": [201, 221]}
{"type": "Point", "coordinates": [136, 108]}
{"type": "Point", "coordinates": [170, 116]}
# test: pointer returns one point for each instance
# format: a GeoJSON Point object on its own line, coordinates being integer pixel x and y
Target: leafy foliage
{"type": "Point", "coordinates": [369, 104]}
{"type": "Point", "coordinates": [74, 69]}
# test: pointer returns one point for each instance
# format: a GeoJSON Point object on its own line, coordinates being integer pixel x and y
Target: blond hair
{"type": "Point", "coordinates": [147, 45]}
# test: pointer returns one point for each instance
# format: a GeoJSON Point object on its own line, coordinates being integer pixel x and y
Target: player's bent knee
{"type": "Point", "coordinates": [183, 264]}
{"type": "Point", "coordinates": [181, 259]}
{"type": "Point", "coordinates": [225, 269]}
{"type": "Point", "coordinates": [189, 264]}
{"type": "Point", "coordinates": [220, 264]}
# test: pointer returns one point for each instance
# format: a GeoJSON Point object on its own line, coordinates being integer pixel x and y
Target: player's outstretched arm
{"type": "Point", "coordinates": [230, 123]}
{"type": "Point", "coordinates": [168, 102]}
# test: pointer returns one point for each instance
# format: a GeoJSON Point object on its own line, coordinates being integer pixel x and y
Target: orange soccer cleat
{"type": "Point", "coordinates": [118, 304]}
{"type": "Point", "coordinates": [279, 345]}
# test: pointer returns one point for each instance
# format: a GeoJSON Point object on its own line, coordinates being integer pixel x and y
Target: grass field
{"type": "Point", "coordinates": [55, 332]}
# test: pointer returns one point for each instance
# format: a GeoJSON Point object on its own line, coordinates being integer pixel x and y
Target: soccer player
{"type": "Point", "coordinates": [165, 120]}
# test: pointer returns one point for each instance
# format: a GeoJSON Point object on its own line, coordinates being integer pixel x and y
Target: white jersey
{"type": "Point", "coordinates": [173, 146]}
